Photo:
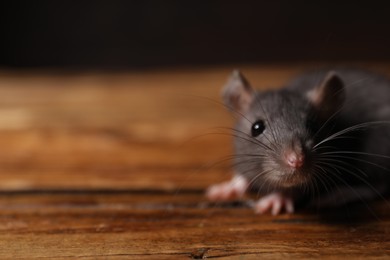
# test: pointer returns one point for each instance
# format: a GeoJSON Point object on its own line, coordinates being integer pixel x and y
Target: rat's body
{"type": "Point", "coordinates": [322, 139]}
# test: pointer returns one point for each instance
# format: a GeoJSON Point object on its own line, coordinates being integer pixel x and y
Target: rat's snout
{"type": "Point", "coordinates": [294, 156]}
{"type": "Point", "coordinates": [294, 159]}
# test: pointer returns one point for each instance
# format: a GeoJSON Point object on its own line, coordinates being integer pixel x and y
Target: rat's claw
{"type": "Point", "coordinates": [274, 203]}
{"type": "Point", "coordinates": [230, 190]}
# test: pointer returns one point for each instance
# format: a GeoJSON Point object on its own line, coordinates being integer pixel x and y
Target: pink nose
{"type": "Point", "coordinates": [294, 159]}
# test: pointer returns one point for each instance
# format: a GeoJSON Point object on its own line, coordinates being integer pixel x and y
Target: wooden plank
{"type": "Point", "coordinates": [166, 226]}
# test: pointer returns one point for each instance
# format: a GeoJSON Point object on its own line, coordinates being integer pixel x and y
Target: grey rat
{"type": "Point", "coordinates": [323, 139]}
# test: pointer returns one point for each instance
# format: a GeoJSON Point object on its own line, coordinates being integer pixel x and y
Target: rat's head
{"type": "Point", "coordinates": [277, 130]}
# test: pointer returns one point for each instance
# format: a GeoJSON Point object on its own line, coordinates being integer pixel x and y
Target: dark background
{"type": "Point", "coordinates": [152, 33]}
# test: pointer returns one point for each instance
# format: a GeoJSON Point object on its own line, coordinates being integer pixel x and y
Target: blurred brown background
{"type": "Point", "coordinates": [151, 33]}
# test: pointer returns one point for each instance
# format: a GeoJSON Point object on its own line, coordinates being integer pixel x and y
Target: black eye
{"type": "Point", "coordinates": [258, 128]}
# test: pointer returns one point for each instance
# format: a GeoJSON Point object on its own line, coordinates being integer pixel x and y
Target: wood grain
{"type": "Point", "coordinates": [97, 166]}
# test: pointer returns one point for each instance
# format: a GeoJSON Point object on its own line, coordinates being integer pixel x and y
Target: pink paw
{"type": "Point", "coordinates": [274, 203]}
{"type": "Point", "coordinates": [230, 190]}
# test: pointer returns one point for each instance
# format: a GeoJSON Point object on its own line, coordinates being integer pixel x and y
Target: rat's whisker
{"type": "Point", "coordinates": [365, 182]}
{"type": "Point", "coordinates": [256, 140]}
{"type": "Point", "coordinates": [355, 192]}
{"type": "Point", "coordinates": [359, 153]}
{"type": "Point", "coordinates": [245, 137]}
{"type": "Point", "coordinates": [351, 129]}
{"type": "Point", "coordinates": [357, 159]}
{"type": "Point", "coordinates": [317, 172]}
{"type": "Point", "coordinates": [324, 147]}
{"type": "Point", "coordinates": [333, 160]}
{"type": "Point", "coordinates": [258, 175]}
{"type": "Point", "coordinates": [231, 158]}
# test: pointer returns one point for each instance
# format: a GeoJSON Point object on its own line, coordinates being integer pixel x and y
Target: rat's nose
{"type": "Point", "coordinates": [294, 159]}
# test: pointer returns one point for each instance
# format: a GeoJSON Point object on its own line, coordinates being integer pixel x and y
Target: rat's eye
{"type": "Point", "coordinates": [258, 128]}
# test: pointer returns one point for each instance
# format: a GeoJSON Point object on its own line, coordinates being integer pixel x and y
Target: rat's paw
{"type": "Point", "coordinates": [274, 203]}
{"type": "Point", "coordinates": [230, 190]}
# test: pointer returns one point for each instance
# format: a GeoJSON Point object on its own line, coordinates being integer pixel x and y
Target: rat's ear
{"type": "Point", "coordinates": [237, 93]}
{"type": "Point", "coordinates": [329, 97]}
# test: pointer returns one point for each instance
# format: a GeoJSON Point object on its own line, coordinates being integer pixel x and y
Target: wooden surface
{"type": "Point", "coordinates": [96, 165]}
